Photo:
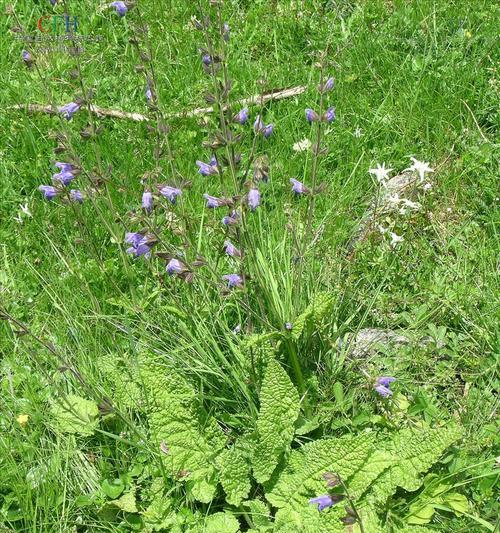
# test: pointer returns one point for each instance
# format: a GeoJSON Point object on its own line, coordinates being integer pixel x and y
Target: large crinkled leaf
{"type": "Point", "coordinates": [309, 520]}
{"type": "Point", "coordinates": [192, 439]}
{"type": "Point", "coordinates": [303, 479]}
{"type": "Point", "coordinates": [279, 408]}
{"type": "Point", "coordinates": [415, 451]}
{"type": "Point", "coordinates": [258, 512]}
{"type": "Point", "coordinates": [314, 312]}
{"type": "Point", "coordinates": [75, 415]}
{"type": "Point", "coordinates": [217, 523]}
{"type": "Point", "coordinates": [234, 474]}
{"type": "Point", "coordinates": [378, 461]}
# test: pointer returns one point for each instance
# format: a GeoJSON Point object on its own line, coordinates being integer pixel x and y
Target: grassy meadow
{"type": "Point", "coordinates": [139, 399]}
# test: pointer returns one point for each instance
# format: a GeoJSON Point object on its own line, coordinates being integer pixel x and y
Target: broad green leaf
{"type": "Point", "coordinates": [279, 408]}
{"type": "Point", "coordinates": [113, 488]}
{"type": "Point", "coordinates": [192, 438]}
{"type": "Point", "coordinates": [126, 502]}
{"type": "Point", "coordinates": [75, 415]}
{"type": "Point", "coordinates": [234, 474]}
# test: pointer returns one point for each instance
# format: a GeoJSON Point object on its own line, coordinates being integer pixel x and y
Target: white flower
{"type": "Point", "coordinates": [357, 133]}
{"type": "Point", "coordinates": [381, 173]}
{"type": "Point", "coordinates": [394, 199]}
{"type": "Point", "coordinates": [382, 229]}
{"type": "Point", "coordinates": [24, 208]}
{"type": "Point", "coordinates": [302, 146]}
{"type": "Point", "coordinates": [411, 205]}
{"type": "Point", "coordinates": [421, 167]}
{"type": "Point", "coordinates": [427, 186]}
{"type": "Point", "coordinates": [395, 239]}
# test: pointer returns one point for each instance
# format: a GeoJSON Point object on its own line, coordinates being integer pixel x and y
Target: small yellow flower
{"type": "Point", "coordinates": [468, 34]}
{"type": "Point", "coordinates": [22, 419]}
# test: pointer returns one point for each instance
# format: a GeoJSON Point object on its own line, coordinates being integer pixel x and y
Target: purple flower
{"type": "Point", "coordinates": [120, 7]}
{"type": "Point", "coordinates": [171, 193]}
{"type": "Point", "coordinates": [26, 56]}
{"type": "Point", "coordinates": [382, 386]}
{"type": "Point", "coordinates": [206, 59]}
{"type": "Point", "coordinates": [226, 32]}
{"type": "Point", "coordinates": [231, 249]}
{"type": "Point", "coordinates": [311, 115]}
{"type": "Point", "coordinates": [53, 2]}
{"type": "Point", "coordinates": [64, 177]}
{"type": "Point", "coordinates": [48, 191]}
{"type": "Point", "coordinates": [329, 115]}
{"type": "Point", "coordinates": [213, 201]}
{"type": "Point", "coordinates": [253, 199]}
{"type": "Point", "coordinates": [139, 244]}
{"type": "Point", "coordinates": [259, 127]}
{"type": "Point", "coordinates": [208, 169]}
{"type": "Point", "coordinates": [242, 116]}
{"type": "Point", "coordinates": [232, 219]}
{"type": "Point", "coordinates": [298, 187]}
{"type": "Point", "coordinates": [76, 196]}
{"type": "Point", "coordinates": [147, 201]}
{"type": "Point", "coordinates": [323, 502]}
{"type": "Point", "coordinates": [330, 82]}
{"type": "Point", "coordinates": [268, 130]}
{"type": "Point", "coordinates": [69, 110]}
{"type": "Point", "coordinates": [233, 280]}
{"type": "Point", "coordinates": [149, 94]}
{"type": "Point", "coordinates": [175, 267]}
{"type": "Point", "coordinates": [288, 326]}
{"type": "Point", "coordinates": [63, 167]}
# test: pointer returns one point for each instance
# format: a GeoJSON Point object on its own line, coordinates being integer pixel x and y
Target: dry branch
{"type": "Point", "coordinates": [271, 96]}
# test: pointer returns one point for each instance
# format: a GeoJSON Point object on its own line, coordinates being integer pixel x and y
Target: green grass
{"type": "Point", "coordinates": [417, 78]}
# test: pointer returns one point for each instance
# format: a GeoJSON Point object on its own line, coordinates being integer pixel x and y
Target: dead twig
{"type": "Point", "coordinates": [271, 96]}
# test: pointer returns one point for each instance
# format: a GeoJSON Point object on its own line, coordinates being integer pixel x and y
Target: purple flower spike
{"type": "Point", "coordinates": [63, 167]}
{"type": "Point", "coordinates": [48, 191]}
{"type": "Point", "coordinates": [76, 196]}
{"type": "Point", "coordinates": [175, 267]}
{"type": "Point", "coordinates": [133, 238]}
{"type": "Point", "coordinates": [268, 130]}
{"type": "Point", "coordinates": [329, 116]}
{"type": "Point", "coordinates": [330, 82]}
{"type": "Point", "coordinates": [63, 177]}
{"type": "Point", "coordinates": [147, 201]}
{"type": "Point", "coordinates": [69, 110]}
{"type": "Point", "coordinates": [231, 220]}
{"type": "Point", "coordinates": [323, 502]}
{"type": "Point", "coordinates": [253, 199]}
{"type": "Point", "coordinates": [171, 193]}
{"type": "Point", "coordinates": [120, 7]}
{"type": "Point", "coordinates": [208, 169]}
{"type": "Point", "coordinates": [226, 32]}
{"type": "Point", "coordinates": [311, 115]}
{"type": "Point", "coordinates": [149, 93]}
{"type": "Point", "coordinates": [213, 201]}
{"type": "Point", "coordinates": [298, 187]}
{"type": "Point", "coordinates": [231, 249]}
{"type": "Point", "coordinates": [242, 116]}
{"type": "Point", "coordinates": [139, 244]}
{"type": "Point", "coordinates": [382, 386]}
{"type": "Point", "coordinates": [233, 280]}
